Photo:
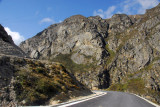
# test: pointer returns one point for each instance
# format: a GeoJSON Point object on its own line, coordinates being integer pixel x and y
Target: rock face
{"type": "Point", "coordinates": [136, 54]}
{"type": "Point", "coordinates": [7, 45]}
{"type": "Point", "coordinates": [104, 52]}
{"type": "Point", "coordinates": [77, 42]}
{"type": "Point", "coordinates": [78, 35]}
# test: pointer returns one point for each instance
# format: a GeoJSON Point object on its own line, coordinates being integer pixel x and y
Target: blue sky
{"type": "Point", "coordinates": [23, 19]}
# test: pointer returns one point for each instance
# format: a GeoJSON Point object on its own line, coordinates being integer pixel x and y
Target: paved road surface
{"type": "Point", "coordinates": [115, 99]}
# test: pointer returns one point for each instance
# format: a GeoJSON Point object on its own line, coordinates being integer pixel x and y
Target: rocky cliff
{"type": "Point", "coordinates": [7, 45]}
{"type": "Point", "coordinates": [24, 81]}
{"type": "Point", "coordinates": [136, 55]}
{"type": "Point", "coordinates": [78, 43]}
{"type": "Point", "coordinates": [118, 52]}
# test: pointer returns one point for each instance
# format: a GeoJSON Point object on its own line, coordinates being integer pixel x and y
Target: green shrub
{"type": "Point", "coordinates": [111, 55]}
{"type": "Point", "coordinates": [135, 85]}
{"type": "Point", "coordinates": [33, 87]}
{"type": "Point", "coordinates": [41, 70]}
{"type": "Point", "coordinates": [118, 87]}
{"type": "Point", "coordinates": [46, 86]}
{"type": "Point", "coordinates": [65, 59]}
{"type": "Point", "coordinates": [35, 84]}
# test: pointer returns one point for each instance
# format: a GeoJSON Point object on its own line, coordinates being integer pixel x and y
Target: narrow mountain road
{"type": "Point", "coordinates": [114, 99]}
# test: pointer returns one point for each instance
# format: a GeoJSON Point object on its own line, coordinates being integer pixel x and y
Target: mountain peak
{"type": "Point", "coordinates": [75, 18]}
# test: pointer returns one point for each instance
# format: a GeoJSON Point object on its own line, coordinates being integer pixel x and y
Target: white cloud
{"type": "Point", "coordinates": [17, 38]}
{"type": "Point", "coordinates": [60, 21]}
{"type": "Point", "coordinates": [127, 7]}
{"type": "Point", "coordinates": [99, 12]}
{"type": "Point", "coordinates": [137, 6]}
{"type": "Point", "coordinates": [47, 20]}
{"type": "Point", "coordinates": [146, 4]}
{"type": "Point", "coordinates": [105, 14]}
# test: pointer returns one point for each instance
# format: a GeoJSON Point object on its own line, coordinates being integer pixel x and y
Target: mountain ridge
{"type": "Point", "coordinates": [120, 53]}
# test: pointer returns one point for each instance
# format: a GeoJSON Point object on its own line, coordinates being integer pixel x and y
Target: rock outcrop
{"type": "Point", "coordinates": [78, 43]}
{"type": "Point", "coordinates": [105, 52]}
{"type": "Point", "coordinates": [77, 35]}
{"type": "Point", "coordinates": [7, 45]}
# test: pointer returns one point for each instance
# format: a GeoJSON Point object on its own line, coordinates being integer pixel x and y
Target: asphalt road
{"type": "Point", "coordinates": [115, 99]}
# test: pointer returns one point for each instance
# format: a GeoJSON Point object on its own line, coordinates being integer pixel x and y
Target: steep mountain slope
{"type": "Point", "coordinates": [25, 81]}
{"type": "Point", "coordinates": [121, 52]}
{"type": "Point", "coordinates": [137, 56]}
{"type": "Point", "coordinates": [31, 82]}
{"type": "Point", "coordinates": [7, 45]}
{"type": "Point", "coordinates": [78, 43]}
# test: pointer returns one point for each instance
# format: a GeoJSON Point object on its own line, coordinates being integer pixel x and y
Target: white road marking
{"type": "Point", "coordinates": [76, 102]}
{"type": "Point", "coordinates": [96, 96]}
{"type": "Point", "coordinates": [147, 101]}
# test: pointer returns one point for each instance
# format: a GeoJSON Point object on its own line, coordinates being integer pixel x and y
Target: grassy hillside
{"type": "Point", "coordinates": [39, 83]}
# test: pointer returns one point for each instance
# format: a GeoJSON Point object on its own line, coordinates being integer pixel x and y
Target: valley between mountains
{"type": "Point", "coordinates": [80, 54]}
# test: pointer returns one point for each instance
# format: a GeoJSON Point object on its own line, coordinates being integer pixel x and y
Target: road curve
{"type": "Point", "coordinates": [114, 99]}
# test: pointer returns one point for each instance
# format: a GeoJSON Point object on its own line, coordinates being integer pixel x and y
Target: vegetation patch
{"type": "Point", "coordinates": [124, 38]}
{"type": "Point", "coordinates": [135, 85]}
{"type": "Point", "coordinates": [146, 68]}
{"type": "Point", "coordinates": [118, 87]}
{"type": "Point", "coordinates": [111, 55]}
{"type": "Point", "coordinates": [65, 59]}
{"type": "Point", "coordinates": [39, 83]}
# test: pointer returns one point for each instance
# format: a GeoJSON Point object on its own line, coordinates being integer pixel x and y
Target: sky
{"type": "Point", "coordinates": [23, 19]}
